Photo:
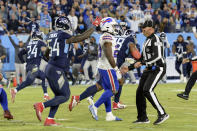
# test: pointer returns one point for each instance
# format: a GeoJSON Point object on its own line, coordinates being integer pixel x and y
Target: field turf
{"type": "Point", "coordinates": [183, 114]}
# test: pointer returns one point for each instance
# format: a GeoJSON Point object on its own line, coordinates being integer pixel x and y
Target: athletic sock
{"type": "Point", "coordinates": [117, 96]}
{"type": "Point", "coordinates": [90, 91]}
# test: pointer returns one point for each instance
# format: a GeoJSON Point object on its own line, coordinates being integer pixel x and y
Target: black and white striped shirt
{"type": "Point", "coordinates": [153, 52]}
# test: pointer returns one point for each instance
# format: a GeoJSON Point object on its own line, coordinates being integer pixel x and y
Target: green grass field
{"type": "Point", "coordinates": [182, 113]}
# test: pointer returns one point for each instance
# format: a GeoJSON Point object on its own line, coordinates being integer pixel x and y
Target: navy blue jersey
{"type": "Point", "coordinates": [34, 26]}
{"type": "Point", "coordinates": [58, 48]}
{"type": "Point", "coordinates": [33, 53]}
{"type": "Point", "coordinates": [181, 47]}
{"type": "Point", "coordinates": [123, 43]}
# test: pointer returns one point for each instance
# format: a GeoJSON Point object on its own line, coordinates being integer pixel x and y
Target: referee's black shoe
{"type": "Point", "coordinates": [161, 119]}
{"type": "Point", "coordinates": [183, 96]}
{"type": "Point", "coordinates": [138, 121]}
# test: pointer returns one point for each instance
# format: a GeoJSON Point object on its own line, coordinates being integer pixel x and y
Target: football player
{"type": "Point", "coordinates": [58, 47]}
{"type": "Point", "coordinates": [33, 52]}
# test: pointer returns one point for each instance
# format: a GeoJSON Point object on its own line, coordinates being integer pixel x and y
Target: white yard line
{"type": "Point", "coordinates": [191, 114]}
{"type": "Point", "coordinates": [61, 126]}
{"type": "Point", "coordinates": [181, 90]}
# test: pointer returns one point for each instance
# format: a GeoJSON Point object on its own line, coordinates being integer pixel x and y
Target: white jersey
{"type": "Point", "coordinates": [103, 62]}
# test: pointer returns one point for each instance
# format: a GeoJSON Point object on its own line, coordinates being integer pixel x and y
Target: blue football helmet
{"type": "Point", "coordinates": [63, 23]}
{"type": "Point", "coordinates": [37, 35]}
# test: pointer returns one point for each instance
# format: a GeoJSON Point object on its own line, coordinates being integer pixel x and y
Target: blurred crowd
{"type": "Point", "coordinates": [169, 15]}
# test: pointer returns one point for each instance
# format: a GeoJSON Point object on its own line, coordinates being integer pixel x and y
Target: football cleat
{"type": "Point", "coordinates": [13, 95]}
{"type": "Point", "coordinates": [161, 119]}
{"type": "Point", "coordinates": [93, 112]}
{"type": "Point", "coordinates": [46, 97]}
{"type": "Point", "coordinates": [50, 122]}
{"type": "Point", "coordinates": [138, 121]}
{"type": "Point", "coordinates": [74, 101]}
{"type": "Point", "coordinates": [112, 118]}
{"type": "Point", "coordinates": [90, 100]}
{"type": "Point", "coordinates": [118, 106]}
{"type": "Point", "coordinates": [183, 96]}
{"type": "Point", "coordinates": [8, 115]}
{"type": "Point", "coordinates": [39, 109]}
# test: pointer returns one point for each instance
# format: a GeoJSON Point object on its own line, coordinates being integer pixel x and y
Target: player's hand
{"type": "Point", "coordinates": [185, 61]}
{"type": "Point", "coordinates": [124, 70]}
{"type": "Point", "coordinates": [8, 33]}
{"type": "Point", "coordinates": [97, 21]}
{"type": "Point", "coordinates": [137, 64]}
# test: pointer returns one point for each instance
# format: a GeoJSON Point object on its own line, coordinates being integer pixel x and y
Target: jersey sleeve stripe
{"type": "Point", "coordinates": [107, 38]}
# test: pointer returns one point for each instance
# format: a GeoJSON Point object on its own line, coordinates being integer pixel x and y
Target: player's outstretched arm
{"type": "Point", "coordinates": [81, 37]}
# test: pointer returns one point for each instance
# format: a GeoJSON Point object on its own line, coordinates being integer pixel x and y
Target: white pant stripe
{"type": "Point", "coordinates": [152, 93]}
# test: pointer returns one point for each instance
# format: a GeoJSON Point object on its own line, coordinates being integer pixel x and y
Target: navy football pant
{"type": "Point", "coordinates": [184, 66]}
{"type": "Point", "coordinates": [60, 87]}
{"type": "Point", "coordinates": [32, 74]}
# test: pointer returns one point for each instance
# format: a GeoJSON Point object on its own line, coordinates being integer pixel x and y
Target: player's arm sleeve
{"type": "Point", "coordinates": [81, 37]}
{"type": "Point", "coordinates": [20, 55]}
{"type": "Point", "coordinates": [13, 43]}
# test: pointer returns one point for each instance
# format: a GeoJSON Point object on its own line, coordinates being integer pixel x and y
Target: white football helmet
{"type": "Point", "coordinates": [109, 24]}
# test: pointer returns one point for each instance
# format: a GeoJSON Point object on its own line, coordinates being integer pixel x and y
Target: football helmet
{"type": "Point", "coordinates": [162, 35]}
{"type": "Point", "coordinates": [63, 23]}
{"type": "Point", "coordinates": [37, 35]}
{"type": "Point", "coordinates": [109, 25]}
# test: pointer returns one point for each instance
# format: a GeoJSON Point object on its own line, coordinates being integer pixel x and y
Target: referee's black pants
{"type": "Point", "coordinates": [191, 82]}
{"type": "Point", "coordinates": [148, 82]}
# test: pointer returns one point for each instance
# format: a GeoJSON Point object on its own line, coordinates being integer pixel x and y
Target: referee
{"type": "Point", "coordinates": [153, 58]}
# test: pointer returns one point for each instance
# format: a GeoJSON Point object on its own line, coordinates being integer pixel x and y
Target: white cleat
{"type": "Point", "coordinates": [90, 100]}
{"type": "Point", "coordinates": [93, 112]}
{"type": "Point", "coordinates": [112, 118]}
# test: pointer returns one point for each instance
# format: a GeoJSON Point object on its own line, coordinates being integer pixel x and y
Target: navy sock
{"type": "Point", "coordinates": [3, 99]}
{"type": "Point", "coordinates": [55, 101]}
{"type": "Point", "coordinates": [53, 111]}
{"type": "Point", "coordinates": [108, 105]}
{"type": "Point", "coordinates": [117, 96]}
{"type": "Point", "coordinates": [104, 97]}
{"type": "Point", "coordinates": [42, 77]}
{"type": "Point", "coordinates": [90, 91]}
